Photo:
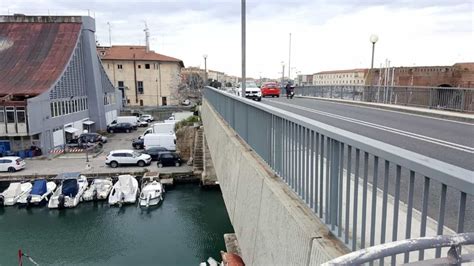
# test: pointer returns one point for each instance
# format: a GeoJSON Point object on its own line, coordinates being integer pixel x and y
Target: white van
{"type": "Point", "coordinates": [167, 141]}
{"type": "Point", "coordinates": [127, 119]}
{"type": "Point", "coordinates": [159, 128]}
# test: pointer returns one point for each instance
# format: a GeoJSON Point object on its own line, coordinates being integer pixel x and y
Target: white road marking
{"type": "Point", "coordinates": [385, 128]}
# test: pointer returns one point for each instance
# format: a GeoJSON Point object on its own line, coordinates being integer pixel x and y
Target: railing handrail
{"type": "Point", "coordinates": [448, 174]}
{"type": "Point", "coordinates": [386, 86]}
{"type": "Point", "coordinates": [402, 246]}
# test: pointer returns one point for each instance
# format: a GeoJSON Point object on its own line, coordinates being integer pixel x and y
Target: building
{"type": "Point", "coordinates": [304, 80]}
{"type": "Point", "coordinates": [340, 77]}
{"type": "Point", "coordinates": [52, 85]}
{"type": "Point", "coordinates": [457, 75]}
{"type": "Point", "coordinates": [144, 77]}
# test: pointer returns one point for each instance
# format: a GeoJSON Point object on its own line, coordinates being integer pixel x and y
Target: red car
{"type": "Point", "coordinates": [270, 89]}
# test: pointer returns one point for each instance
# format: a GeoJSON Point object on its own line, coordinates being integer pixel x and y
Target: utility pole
{"type": "Point", "coordinates": [243, 48]}
{"type": "Point", "coordinates": [282, 72]}
{"type": "Point", "coordinates": [110, 34]}
{"type": "Point", "coordinates": [289, 59]}
{"type": "Point", "coordinates": [205, 69]}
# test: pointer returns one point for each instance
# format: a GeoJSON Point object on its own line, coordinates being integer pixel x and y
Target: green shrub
{"type": "Point", "coordinates": [187, 122]}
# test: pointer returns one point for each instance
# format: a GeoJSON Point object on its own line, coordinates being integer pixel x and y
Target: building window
{"type": "Point", "coordinates": [139, 66]}
{"type": "Point", "coordinates": [20, 115]}
{"type": "Point", "coordinates": [2, 116]}
{"type": "Point", "coordinates": [141, 102]}
{"type": "Point", "coordinates": [163, 101]}
{"type": "Point", "coordinates": [147, 66]}
{"type": "Point", "coordinates": [119, 67]}
{"type": "Point", "coordinates": [140, 87]}
{"type": "Point", "coordinates": [10, 114]}
{"type": "Point", "coordinates": [52, 109]}
{"type": "Point", "coordinates": [120, 84]}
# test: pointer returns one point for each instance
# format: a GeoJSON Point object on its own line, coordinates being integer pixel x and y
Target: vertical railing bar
{"type": "Point", "coordinates": [396, 204]}
{"type": "Point", "coordinates": [409, 211]}
{"type": "Point", "coordinates": [374, 201]}
{"type": "Point", "coordinates": [294, 155]}
{"type": "Point", "coordinates": [316, 172]}
{"type": "Point", "coordinates": [364, 199]}
{"type": "Point", "coordinates": [356, 203]}
{"type": "Point", "coordinates": [462, 212]}
{"type": "Point", "coordinates": [312, 176]}
{"type": "Point", "coordinates": [327, 178]}
{"type": "Point", "coordinates": [340, 177]}
{"type": "Point", "coordinates": [301, 161]}
{"type": "Point", "coordinates": [442, 205]}
{"type": "Point", "coordinates": [307, 166]}
{"type": "Point", "coordinates": [348, 192]}
{"type": "Point", "coordinates": [384, 202]}
{"type": "Point", "coordinates": [321, 178]}
{"type": "Point", "coordinates": [285, 150]}
{"type": "Point", "coordinates": [424, 213]}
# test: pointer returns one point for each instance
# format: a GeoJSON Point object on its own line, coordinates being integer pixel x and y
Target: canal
{"type": "Point", "coordinates": [185, 229]}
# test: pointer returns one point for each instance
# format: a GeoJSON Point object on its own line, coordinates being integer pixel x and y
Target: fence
{"type": "Point", "coordinates": [363, 189]}
{"type": "Point", "coordinates": [444, 98]}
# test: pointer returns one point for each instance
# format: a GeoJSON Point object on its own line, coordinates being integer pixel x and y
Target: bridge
{"type": "Point", "coordinates": [307, 182]}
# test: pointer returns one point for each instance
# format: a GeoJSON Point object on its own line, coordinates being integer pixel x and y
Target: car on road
{"type": "Point", "coordinates": [11, 164]}
{"type": "Point", "coordinates": [127, 157]}
{"type": "Point", "coordinates": [155, 152]}
{"type": "Point", "coordinates": [270, 89]}
{"type": "Point", "coordinates": [252, 91]}
{"type": "Point", "coordinates": [148, 118]}
{"type": "Point", "coordinates": [120, 127]}
{"type": "Point", "coordinates": [138, 143]}
{"type": "Point", "coordinates": [168, 159]}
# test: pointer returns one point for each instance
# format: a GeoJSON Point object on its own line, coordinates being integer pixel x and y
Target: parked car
{"type": "Point", "coordinates": [142, 122]}
{"type": "Point", "coordinates": [148, 118]}
{"type": "Point", "coordinates": [120, 127]}
{"type": "Point", "coordinates": [270, 89]}
{"type": "Point", "coordinates": [92, 138]}
{"type": "Point", "coordinates": [160, 140]}
{"type": "Point", "coordinates": [127, 157]}
{"type": "Point", "coordinates": [126, 119]}
{"type": "Point", "coordinates": [138, 143]}
{"type": "Point", "coordinates": [168, 159]}
{"type": "Point", "coordinates": [154, 152]}
{"type": "Point", "coordinates": [11, 164]}
{"type": "Point", "coordinates": [186, 102]}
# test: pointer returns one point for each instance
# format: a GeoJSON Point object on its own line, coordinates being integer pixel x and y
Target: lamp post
{"type": "Point", "coordinates": [282, 72]}
{"type": "Point", "coordinates": [244, 45]}
{"type": "Point", "coordinates": [205, 69]}
{"type": "Point", "coordinates": [373, 39]}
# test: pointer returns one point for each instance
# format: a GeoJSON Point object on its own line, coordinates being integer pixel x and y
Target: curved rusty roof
{"type": "Point", "coordinates": [33, 55]}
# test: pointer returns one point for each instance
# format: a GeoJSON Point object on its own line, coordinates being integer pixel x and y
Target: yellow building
{"type": "Point", "coordinates": [340, 77]}
{"type": "Point", "coordinates": [145, 78]}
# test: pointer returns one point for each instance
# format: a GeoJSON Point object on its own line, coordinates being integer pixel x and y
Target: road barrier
{"type": "Point", "coordinates": [367, 192]}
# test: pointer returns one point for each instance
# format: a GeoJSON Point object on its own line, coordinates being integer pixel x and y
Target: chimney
{"type": "Point", "coordinates": [147, 38]}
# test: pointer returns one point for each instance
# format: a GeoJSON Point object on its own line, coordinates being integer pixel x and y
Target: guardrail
{"type": "Point", "coordinates": [336, 173]}
{"type": "Point", "coordinates": [443, 98]}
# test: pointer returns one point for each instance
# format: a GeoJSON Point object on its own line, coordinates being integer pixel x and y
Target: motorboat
{"type": "Point", "coordinates": [98, 190]}
{"type": "Point", "coordinates": [39, 194]}
{"type": "Point", "coordinates": [69, 193]}
{"type": "Point", "coordinates": [125, 190]}
{"type": "Point", "coordinates": [152, 193]}
{"type": "Point", "coordinates": [14, 191]}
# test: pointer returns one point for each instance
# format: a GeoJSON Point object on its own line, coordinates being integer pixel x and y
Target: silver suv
{"type": "Point", "coordinates": [127, 157]}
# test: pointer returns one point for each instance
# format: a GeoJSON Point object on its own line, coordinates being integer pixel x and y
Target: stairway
{"type": "Point", "coordinates": [198, 155]}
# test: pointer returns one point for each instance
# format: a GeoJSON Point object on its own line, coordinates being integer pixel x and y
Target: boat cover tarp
{"type": "Point", "coordinates": [39, 187]}
{"type": "Point", "coordinates": [13, 190]}
{"type": "Point", "coordinates": [70, 187]}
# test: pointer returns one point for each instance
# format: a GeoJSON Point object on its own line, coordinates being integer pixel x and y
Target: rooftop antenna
{"type": "Point", "coordinates": [147, 37]}
{"type": "Point", "coordinates": [110, 34]}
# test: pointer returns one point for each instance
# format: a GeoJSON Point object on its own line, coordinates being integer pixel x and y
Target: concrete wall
{"type": "Point", "coordinates": [272, 225]}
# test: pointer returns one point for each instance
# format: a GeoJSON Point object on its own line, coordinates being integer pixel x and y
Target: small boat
{"type": "Point", "coordinates": [98, 190]}
{"type": "Point", "coordinates": [14, 191]}
{"type": "Point", "coordinates": [152, 193]}
{"type": "Point", "coordinates": [69, 193]}
{"type": "Point", "coordinates": [125, 190]}
{"type": "Point", "coordinates": [39, 193]}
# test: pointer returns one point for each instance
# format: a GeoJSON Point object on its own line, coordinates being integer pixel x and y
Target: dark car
{"type": "Point", "coordinates": [92, 138]}
{"type": "Point", "coordinates": [120, 127]}
{"type": "Point", "coordinates": [138, 144]}
{"type": "Point", "coordinates": [168, 159]}
{"type": "Point", "coordinates": [154, 152]}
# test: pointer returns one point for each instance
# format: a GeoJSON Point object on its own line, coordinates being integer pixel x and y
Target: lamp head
{"type": "Point", "coordinates": [374, 38]}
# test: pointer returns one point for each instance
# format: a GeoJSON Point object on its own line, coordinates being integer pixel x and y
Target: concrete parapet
{"type": "Point", "coordinates": [273, 226]}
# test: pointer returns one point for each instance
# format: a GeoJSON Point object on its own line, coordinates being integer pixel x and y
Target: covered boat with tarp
{"type": "Point", "coordinates": [69, 193]}
{"type": "Point", "coordinates": [39, 194]}
{"type": "Point", "coordinates": [14, 191]}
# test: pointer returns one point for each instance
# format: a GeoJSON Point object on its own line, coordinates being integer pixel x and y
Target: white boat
{"type": "Point", "coordinates": [14, 191]}
{"type": "Point", "coordinates": [39, 193]}
{"type": "Point", "coordinates": [152, 193]}
{"type": "Point", "coordinates": [98, 190]}
{"type": "Point", "coordinates": [125, 190]}
{"type": "Point", "coordinates": [69, 193]}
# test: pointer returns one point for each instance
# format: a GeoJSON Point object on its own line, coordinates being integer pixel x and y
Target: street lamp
{"type": "Point", "coordinates": [282, 72]}
{"type": "Point", "coordinates": [373, 39]}
{"type": "Point", "coordinates": [205, 69]}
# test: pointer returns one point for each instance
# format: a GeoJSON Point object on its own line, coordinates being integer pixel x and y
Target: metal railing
{"type": "Point", "coordinates": [443, 98]}
{"type": "Point", "coordinates": [366, 191]}
{"type": "Point", "coordinates": [454, 256]}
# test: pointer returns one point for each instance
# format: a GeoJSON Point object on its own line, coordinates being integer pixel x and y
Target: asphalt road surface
{"type": "Point", "coordinates": [444, 140]}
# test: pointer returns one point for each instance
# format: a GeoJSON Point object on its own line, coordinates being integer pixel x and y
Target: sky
{"type": "Point", "coordinates": [325, 34]}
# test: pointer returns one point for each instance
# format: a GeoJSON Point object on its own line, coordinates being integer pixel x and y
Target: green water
{"type": "Point", "coordinates": [185, 229]}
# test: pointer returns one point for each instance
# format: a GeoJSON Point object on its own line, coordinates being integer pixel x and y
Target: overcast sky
{"type": "Point", "coordinates": [326, 34]}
